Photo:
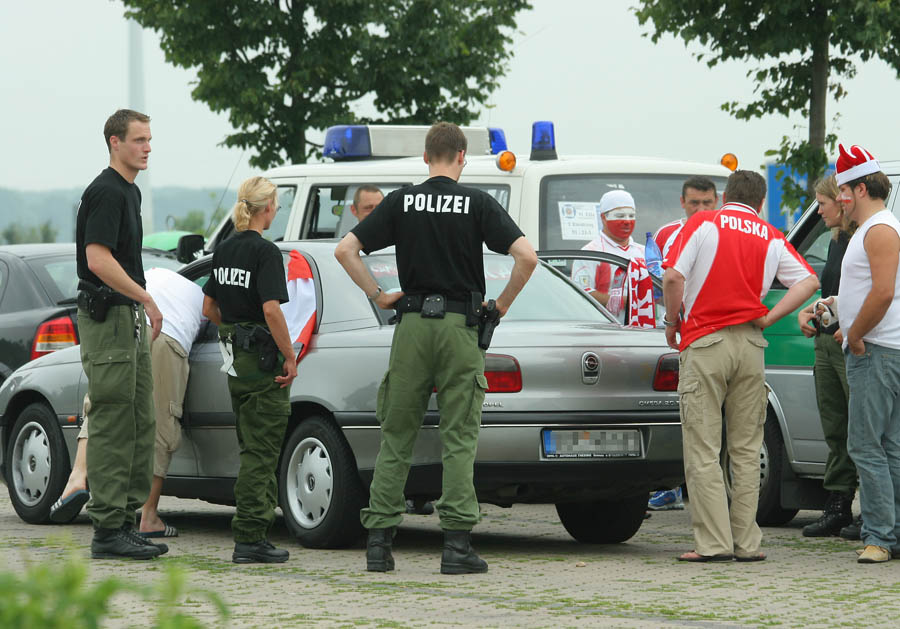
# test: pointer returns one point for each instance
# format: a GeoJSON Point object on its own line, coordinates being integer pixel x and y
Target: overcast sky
{"type": "Point", "coordinates": [581, 63]}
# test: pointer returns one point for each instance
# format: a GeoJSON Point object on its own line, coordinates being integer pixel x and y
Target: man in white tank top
{"type": "Point", "coordinates": [869, 314]}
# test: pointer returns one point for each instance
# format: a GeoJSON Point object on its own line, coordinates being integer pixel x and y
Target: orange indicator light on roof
{"type": "Point", "coordinates": [729, 161]}
{"type": "Point", "coordinates": [506, 161]}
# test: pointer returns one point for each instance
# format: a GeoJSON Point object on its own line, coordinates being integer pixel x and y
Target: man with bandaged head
{"type": "Point", "coordinates": [603, 281]}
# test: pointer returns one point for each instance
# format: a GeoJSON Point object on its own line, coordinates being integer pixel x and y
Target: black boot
{"type": "Point", "coordinates": [128, 529]}
{"type": "Point", "coordinates": [459, 557]}
{"type": "Point", "coordinates": [378, 550]}
{"type": "Point", "coordinates": [837, 515]}
{"type": "Point", "coordinates": [851, 531]}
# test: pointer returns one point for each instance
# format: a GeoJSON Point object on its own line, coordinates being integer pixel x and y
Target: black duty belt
{"type": "Point", "coordinates": [112, 299]}
{"type": "Point", "coordinates": [413, 303]}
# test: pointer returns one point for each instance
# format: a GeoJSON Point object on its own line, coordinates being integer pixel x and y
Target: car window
{"type": "Point", "coordinates": [151, 260]}
{"type": "Point", "coordinates": [546, 297]}
{"type": "Point", "coordinates": [498, 191]}
{"type": "Point", "coordinates": [569, 203]}
{"type": "Point", "coordinates": [328, 212]}
{"type": "Point", "coordinates": [276, 230]}
{"type": "Point", "coordinates": [4, 275]}
{"type": "Point", "coordinates": [58, 276]}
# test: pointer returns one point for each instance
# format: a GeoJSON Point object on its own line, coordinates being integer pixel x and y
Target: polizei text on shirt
{"type": "Point", "coordinates": [229, 276]}
{"type": "Point", "coordinates": [440, 203]}
{"type": "Point", "coordinates": [745, 225]}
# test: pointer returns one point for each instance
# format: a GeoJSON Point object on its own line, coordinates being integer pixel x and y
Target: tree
{"type": "Point", "coordinates": [280, 68]}
{"type": "Point", "coordinates": [804, 49]}
{"type": "Point", "coordinates": [194, 221]}
{"type": "Point", "coordinates": [15, 233]}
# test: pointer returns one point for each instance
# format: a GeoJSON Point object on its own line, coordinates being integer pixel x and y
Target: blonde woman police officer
{"type": "Point", "coordinates": [243, 297]}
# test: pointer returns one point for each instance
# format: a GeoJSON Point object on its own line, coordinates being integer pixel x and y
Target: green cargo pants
{"type": "Point", "coordinates": [429, 353]}
{"type": "Point", "coordinates": [832, 396]}
{"type": "Point", "coordinates": [120, 451]}
{"type": "Point", "coordinates": [261, 409]}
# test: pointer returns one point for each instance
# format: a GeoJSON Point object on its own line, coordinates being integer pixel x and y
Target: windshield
{"type": "Point", "coordinates": [546, 296]}
{"type": "Point", "coordinates": [569, 218]}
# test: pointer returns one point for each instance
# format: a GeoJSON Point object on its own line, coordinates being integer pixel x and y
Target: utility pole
{"type": "Point", "coordinates": [136, 102]}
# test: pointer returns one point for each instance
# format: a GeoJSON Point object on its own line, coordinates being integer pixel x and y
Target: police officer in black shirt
{"type": "Point", "coordinates": [243, 297]}
{"type": "Point", "coordinates": [438, 228]}
{"type": "Point", "coordinates": [115, 341]}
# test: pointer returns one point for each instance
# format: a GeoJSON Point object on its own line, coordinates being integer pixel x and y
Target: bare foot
{"type": "Point", "coordinates": [150, 522]}
{"type": "Point", "coordinates": [76, 483]}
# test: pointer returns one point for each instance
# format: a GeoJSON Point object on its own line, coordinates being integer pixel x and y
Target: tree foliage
{"type": "Point", "coordinates": [16, 233]}
{"type": "Point", "coordinates": [804, 48]}
{"type": "Point", "coordinates": [280, 68]}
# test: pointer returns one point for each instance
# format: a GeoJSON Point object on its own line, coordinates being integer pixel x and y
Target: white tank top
{"type": "Point", "coordinates": [856, 283]}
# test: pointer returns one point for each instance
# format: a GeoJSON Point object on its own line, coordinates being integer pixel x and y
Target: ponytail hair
{"type": "Point", "coordinates": [253, 197]}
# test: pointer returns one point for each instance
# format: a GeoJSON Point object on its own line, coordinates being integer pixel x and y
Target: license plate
{"type": "Point", "coordinates": [591, 444]}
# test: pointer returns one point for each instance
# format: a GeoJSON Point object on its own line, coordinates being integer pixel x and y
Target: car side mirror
{"type": "Point", "coordinates": [188, 245]}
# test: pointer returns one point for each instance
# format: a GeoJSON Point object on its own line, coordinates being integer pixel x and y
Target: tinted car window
{"type": "Point", "coordinates": [569, 218]}
{"type": "Point", "coordinates": [151, 260]}
{"type": "Point", "coordinates": [546, 296]}
{"type": "Point", "coordinates": [499, 192]}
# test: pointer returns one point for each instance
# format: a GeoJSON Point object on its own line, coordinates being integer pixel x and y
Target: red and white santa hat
{"type": "Point", "coordinates": [856, 163]}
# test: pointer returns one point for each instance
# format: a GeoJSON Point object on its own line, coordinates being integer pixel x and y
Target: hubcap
{"type": "Point", "coordinates": [764, 468]}
{"type": "Point", "coordinates": [31, 464]}
{"type": "Point", "coordinates": [309, 483]}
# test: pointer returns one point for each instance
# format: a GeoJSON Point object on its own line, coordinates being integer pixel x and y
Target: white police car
{"type": "Point", "coordinates": [552, 198]}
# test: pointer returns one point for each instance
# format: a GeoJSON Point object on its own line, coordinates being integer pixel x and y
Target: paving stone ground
{"type": "Point", "coordinates": [534, 578]}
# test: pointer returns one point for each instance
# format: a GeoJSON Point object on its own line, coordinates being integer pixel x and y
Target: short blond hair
{"type": "Point", "coordinates": [253, 197]}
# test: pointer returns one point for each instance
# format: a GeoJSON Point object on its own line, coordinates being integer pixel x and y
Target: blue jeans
{"type": "Point", "coordinates": [873, 441]}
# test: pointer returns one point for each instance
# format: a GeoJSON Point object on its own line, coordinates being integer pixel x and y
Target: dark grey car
{"type": "Point", "coordinates": [582, 412]}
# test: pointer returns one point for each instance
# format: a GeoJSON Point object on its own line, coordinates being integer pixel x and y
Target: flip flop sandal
{"type": "Point", "coordinates": [169, 531]}
{"type": "Point", "coordinates": [65, 509]}
{"type": "Point", "coordinates": [706, 558]}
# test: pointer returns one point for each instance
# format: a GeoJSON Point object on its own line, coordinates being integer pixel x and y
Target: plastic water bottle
{"type": "Point", "coordinates": [653, 259]}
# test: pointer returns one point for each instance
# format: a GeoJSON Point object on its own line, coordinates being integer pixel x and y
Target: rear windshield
{"type": "Point", "coordinates": [546, 296]}
{"type": "Point", "coordinates": [569, 203]}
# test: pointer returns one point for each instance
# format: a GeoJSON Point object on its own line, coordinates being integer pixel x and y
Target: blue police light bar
{"type": "Point", "coordinates": [347, 142]}
{"type": "Point", "coordinates": [543, 140]}
{"type": "Point", "coordinates": [498, 140]}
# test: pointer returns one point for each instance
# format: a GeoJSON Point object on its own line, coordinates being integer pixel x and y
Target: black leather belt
{"type": "Point", "coordinates": [413, 303]}
{"type": "Point", "coordinates": [114, 299]}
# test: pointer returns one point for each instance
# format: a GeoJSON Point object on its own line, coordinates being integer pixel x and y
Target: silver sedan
{"type": "Point", "coordinates": [581, 412]}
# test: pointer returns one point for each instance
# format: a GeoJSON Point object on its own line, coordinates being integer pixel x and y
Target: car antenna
{"type": "Point", "coordinates": [224, 192]}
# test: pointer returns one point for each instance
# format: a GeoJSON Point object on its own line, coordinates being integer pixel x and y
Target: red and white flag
{"type": "Point", "coordinates": [641, 312]}
{"type": "Point", "coordinates": [300, 309]}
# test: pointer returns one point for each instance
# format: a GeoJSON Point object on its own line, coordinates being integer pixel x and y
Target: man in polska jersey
{"type": "Point", "coordinates": [720, 268]}
{"type": "Point", "coordinates": [868, 307]}
{"type": "Point", "coordinates": [697, 193]}
{"type": "Point", "coordinates": [603, 281]}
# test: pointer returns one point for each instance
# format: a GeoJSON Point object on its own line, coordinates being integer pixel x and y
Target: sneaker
{"type": "Point", "coordinates": [852, 530]}
{"type": "Point", "coordinates": [140, 539]}
{"type": "Point", "coordinates": [666, 500]}
{"type": "Point", "coordinates": [258, 552]}
{"type": "Point", "coordinates": [874, 554]}
{"type": "Point", "coordinates": [118, 544]}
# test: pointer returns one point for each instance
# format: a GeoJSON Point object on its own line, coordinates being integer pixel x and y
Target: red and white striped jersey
{"type": "Point", "coordinates": [729, 258]}
{"type": "Point", "coordinates": [665, 235]}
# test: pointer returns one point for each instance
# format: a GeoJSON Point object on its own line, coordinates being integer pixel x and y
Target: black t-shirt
{"type": "Point", "coordinates": [831, 274]}
{"type": "Point", "coordinates": [110, 215]}
{"type": "Point", "coordinates": [439, 227]}
{"type": "Point", "coordinates": [247, 271]}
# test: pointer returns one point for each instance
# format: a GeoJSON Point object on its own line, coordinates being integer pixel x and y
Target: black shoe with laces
{"type": "Point", "coordinates": [837, 515]}
{"type": "Point", "coordinates": [118, 544]}
{"type": "Point", "coordinates": [258, 552]}
{"type": "Point", "coordinates": [140, 539]}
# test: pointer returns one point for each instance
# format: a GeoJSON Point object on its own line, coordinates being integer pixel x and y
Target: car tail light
{"type": "Point", "coordinates": [666, 376]}
{"type": "Point", "coordinates": [503, 373]}
{"type": "Point", "coordinates": [54, 335]}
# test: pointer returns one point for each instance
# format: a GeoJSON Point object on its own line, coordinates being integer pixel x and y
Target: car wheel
{"type": "Point", "coordinates": [603, 521]}
{"type": "Point", "coordinates": [319, 488]}
{"type": "Point", "coordinates": [37, 463]}
{"type": "Point", "coordinates": [769, 511]}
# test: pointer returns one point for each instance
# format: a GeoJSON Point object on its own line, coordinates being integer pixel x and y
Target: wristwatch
{"type": "Point", "coordinates": [668, 323]}
{"type": "Point", "coordinates": [375, 295]}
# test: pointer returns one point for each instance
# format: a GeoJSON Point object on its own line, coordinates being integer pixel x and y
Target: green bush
{"type": "Point", "coordinates": [58, 595]}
